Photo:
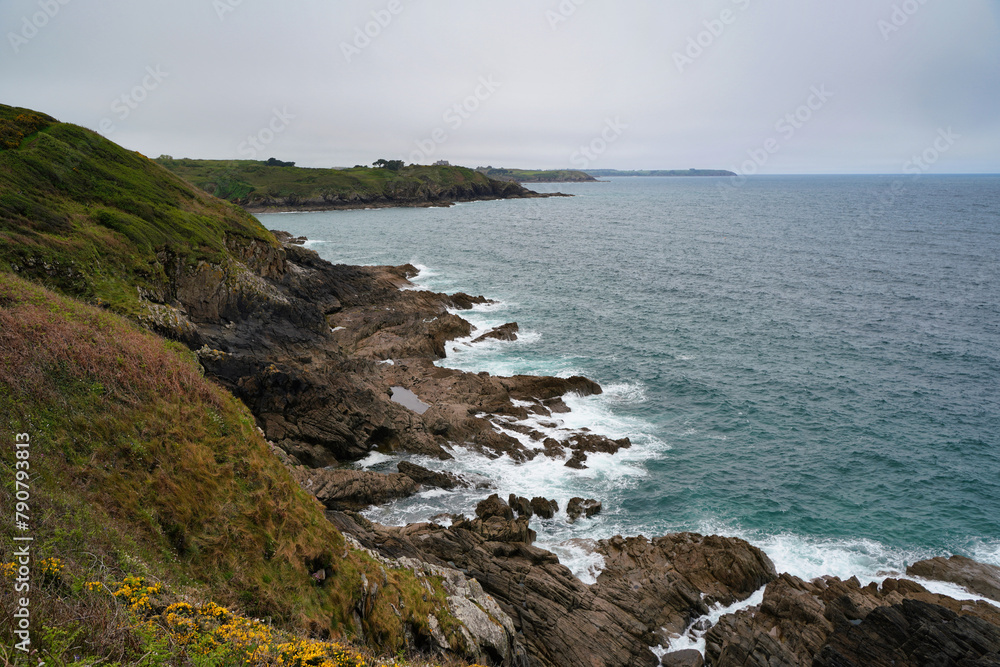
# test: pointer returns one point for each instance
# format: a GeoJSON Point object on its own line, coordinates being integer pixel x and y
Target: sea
{"type": "Point", "coordinates": [810, 363]}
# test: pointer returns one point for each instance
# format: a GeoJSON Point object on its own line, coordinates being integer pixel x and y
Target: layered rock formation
{"type": "Point", "coordinates": [307, 345]}
{"type": "Point", "coordinates": [649, 589]}
{"type": "Point", "coordinates": [829, 622]}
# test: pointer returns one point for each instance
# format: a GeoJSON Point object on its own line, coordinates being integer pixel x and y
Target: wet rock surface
{"type": "Point", "coordinates": [838, 623]}
{"type": "Point", "coordinates": [353, 489]}
{"type": "Point", "coordinates": [562, 620]}
{"type": "Point", "coordinates": [975, 577]}
{"type": "Point", "coordinates": [425, 477]}
{"type": "Point", "coordinates": [315, 349]}
{"type": "Point", "coordinates": [507, 332]}
{"type": "Point", "coordinates": [579, 507]}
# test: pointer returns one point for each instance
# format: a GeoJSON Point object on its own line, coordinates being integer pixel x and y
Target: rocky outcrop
{"type": "Point", "coordinates": [562, 620]}
{"type": "Point", "coordinates": [579, 507]}
{"type": "Point", "coordinates": [685, 658]}
{"type": "Point", "coordinates": [543, 507]}
{"type": "Point", "coordinates": [507, 332]}
{"type": "Point", "coordinates": [307, 345]}
{"type": "Point", "coordinates": [487, 633]}
{"type": "Point", "coordinates": [668, 581]}
{"type": "Point", "coordinates": [520, 505]}
{"type": "Point", "coordinates": [410, 193]}
{"type": "Point", "coordinates": [976, 577]}
{"type": "Point", "coordinates": [353, 489]}
{"type": "Point", "coordinates": [829, 622]}
{"type": "Point", "coordinates": [425, 477]}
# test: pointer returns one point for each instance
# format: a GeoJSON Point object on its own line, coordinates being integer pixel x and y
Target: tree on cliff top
{"type": "Point", "coordinates": [391, 165]}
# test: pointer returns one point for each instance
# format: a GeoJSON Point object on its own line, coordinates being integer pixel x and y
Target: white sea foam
{"type": "Point", "coordinates": [374, 459]}
{"type": "Point", "coordinates": [418, 282]}
{"type": "Point", "coordinates": [808, 559]}
{"type": "Point", "coordinates": [608, 476]}
{"type": "Point", "coordinates": [694, 636]}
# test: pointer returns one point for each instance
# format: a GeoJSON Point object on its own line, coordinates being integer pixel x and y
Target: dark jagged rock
{"type": "Point", "coordinates": [563, 621]}
{"type": "Point", "coordinates": [976, 577]}
{"type": "Point", "coordinates": [307, 344]}
{"type": "Point", "coordinates": [285, 237]}
{"type": "Point", "coordinates": [686, 658]}
{"type": "Point", "coordinates": [838, 623]}
{"type": "Point", "coordinates": [520, 505]}
{"type": "Point", "coordinates": [543, 507]}
{"type": "Point", "coordinates": [506, 332]}
{"type": "Point", "coordinates": [425, 477]}
{"type": "Point", "coordinates": [671, 580]}
{"type": "Point", "coordinates": [577, 461]}
{"type": "Point", "coordinates": [578, 507]}
{"type": "Point", "coordinates": [492, 507]}
{"type": "Point", "coordinates": [353, 489]}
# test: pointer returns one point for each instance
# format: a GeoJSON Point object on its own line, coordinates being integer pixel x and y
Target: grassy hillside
{"type": "Point", "coordinates": [536, 175]}
{"type": "Point", "coordinates": [140, 467]}
{"type": "Point", "coordinates": [150, 486]}
{"type": "Point", "coordinates": [93, 220]}
{"type": "Point", "coordinates": [256, 184]}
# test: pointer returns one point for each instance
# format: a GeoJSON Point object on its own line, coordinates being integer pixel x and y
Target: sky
{"type": "Point", "coordinates": [810, 87]}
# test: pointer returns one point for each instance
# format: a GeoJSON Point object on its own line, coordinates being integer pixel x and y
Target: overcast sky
{"type": "Point", "coordinates": [810, 86]}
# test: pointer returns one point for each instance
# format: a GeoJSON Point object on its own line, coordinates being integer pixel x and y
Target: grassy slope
{"type": "Point", "coordinates": [139, 465]}
{"type": "Point", "coordinates": [245, 181]}
{"type": "Point", "coordinates": [538, 175]}
{"type": "Point", "coordinates": [89, 218]}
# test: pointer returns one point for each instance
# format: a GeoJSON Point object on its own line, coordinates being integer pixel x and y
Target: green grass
{"type": "Point", "coordinates": [250, 183]}
{"type": "Point", "coordinates": [93, 220]}
{"type": "Point", "coordinates": [536, 175]}
{"type": "Point", "coordinates": [139, 466]}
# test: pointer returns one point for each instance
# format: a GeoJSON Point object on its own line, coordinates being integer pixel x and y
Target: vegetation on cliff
{"type": "Point", "coordinates": [260, 186]}
{"type": "Point", "coordinates": [536, 175]}
{"type": "Point", "coordinates": [93, 220]}
{"type": "Point", "coordinates": [141, 470]}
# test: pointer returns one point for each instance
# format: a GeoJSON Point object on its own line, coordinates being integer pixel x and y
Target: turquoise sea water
{"type": "Point", "coordinates": [812, 363]}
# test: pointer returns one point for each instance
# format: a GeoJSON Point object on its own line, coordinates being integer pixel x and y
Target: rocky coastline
{"type": "Point", "coordinates": [316, 350]}
{"type": "Point", "coordinates": [362, 201]}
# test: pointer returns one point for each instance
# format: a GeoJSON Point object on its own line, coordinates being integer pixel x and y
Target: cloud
{"type": "Point", "coordinates": [374, 79]}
